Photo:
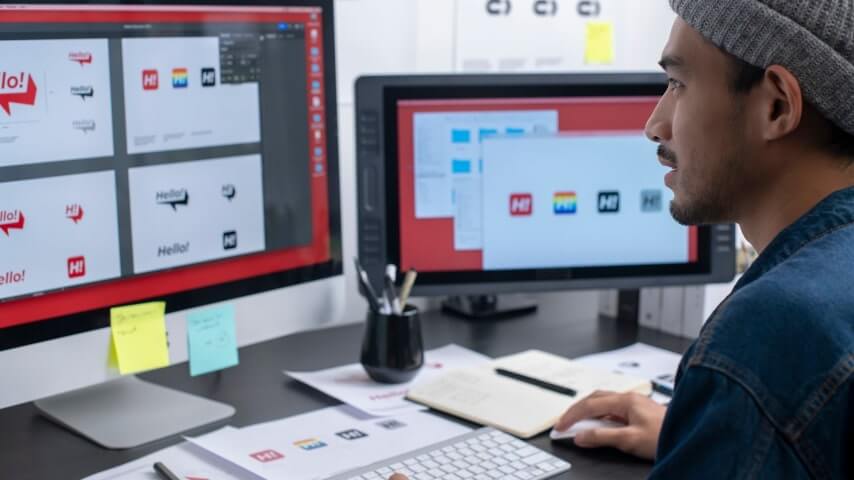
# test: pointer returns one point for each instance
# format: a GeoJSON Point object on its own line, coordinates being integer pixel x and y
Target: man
{"type": "Point", "coordinates": [757, 126]}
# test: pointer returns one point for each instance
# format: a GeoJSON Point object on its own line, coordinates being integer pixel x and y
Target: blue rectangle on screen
{"type": "Point", "coordinates": [460, 136]}
{"type": "Point", "coordinates": [460, 166]}
{"type": "Point", "coordinates": [486, 132]}
{"type": "Point", "coordinates": [515, 131]}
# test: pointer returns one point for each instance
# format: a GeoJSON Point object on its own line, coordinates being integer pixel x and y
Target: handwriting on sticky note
{"type": "Point", "coordinates": [599, 49]}
{"type": "Point", "coordinates": [138, 337]}
{"type": "Point", "coordinates": [211, 339]}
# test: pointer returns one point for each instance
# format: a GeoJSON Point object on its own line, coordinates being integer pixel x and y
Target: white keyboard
{"type": "Point", "coordinates": [484, 454]}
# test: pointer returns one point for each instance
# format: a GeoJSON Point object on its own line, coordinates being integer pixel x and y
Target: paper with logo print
{"type": "Point", "coordinates": [325, 442]}
{"type": "Point", "coordinates": [211, 339]}
{"type": "Point", "coordinates": [138, 337]}
{"type": "Point", "coordinates": [350, 384]}
{"type": "Point", "coordinates": [185, 460]}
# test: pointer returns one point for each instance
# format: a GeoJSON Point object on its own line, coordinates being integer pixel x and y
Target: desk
{"type": "Point", "coordinates": [31, 447]}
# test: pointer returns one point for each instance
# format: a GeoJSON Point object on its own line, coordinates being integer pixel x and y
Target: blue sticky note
{"type": "Point", "coordinates": [460, 136]}
{"type": "Point", "coordinates": [460, 166]}
{"type": "Point", "coordinates": [211, 339]}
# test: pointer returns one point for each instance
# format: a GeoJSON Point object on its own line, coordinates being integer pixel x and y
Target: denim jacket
{"type": "Point", "coordinates": [766, 391]}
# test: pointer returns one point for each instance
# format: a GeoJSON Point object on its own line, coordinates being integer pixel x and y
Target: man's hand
{"type": "Point", "coordinates": [642, 416]}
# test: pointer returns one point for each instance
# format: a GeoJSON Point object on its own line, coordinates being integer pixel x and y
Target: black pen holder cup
{"type": "Point", "coordinates": [392, 348]}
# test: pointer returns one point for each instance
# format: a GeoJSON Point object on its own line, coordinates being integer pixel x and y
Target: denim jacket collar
{"type": "Point", "coordinates": [834, 212]}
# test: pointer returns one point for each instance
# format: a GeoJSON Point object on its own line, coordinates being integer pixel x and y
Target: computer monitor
{"type": "Point", "coordinates": [183, 153]}
{"type": "Point", "coordinates": [490, 184]}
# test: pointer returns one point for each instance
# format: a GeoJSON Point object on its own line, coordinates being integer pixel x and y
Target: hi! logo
{"type": "Point", "coordinates": [76, 267]}
{"type": "Point", "coordinates": [265, 456]}
{"type": "Point", "coordinates": [521, 204]}
{"type": "Point", "coordinates": [565, 203]}
{"type": "Point", "coordinates": [74, 212]}
{"type": "Point", "coordinates": [17, 88]}
{"type": "Point", "coordinates": [180, 78]}
{"type": "Point", "coordinates": [150, 80]}
{"type": "Point", "coordinates": [11, 220]}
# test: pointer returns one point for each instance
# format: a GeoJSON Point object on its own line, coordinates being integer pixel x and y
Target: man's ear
{"type": "Point", "coordinates": [782, 103]}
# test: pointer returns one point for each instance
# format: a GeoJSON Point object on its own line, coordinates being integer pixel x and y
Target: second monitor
{"type": "Point", "coordinates": [515, 183]}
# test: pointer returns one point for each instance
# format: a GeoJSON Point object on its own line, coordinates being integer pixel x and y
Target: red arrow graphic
{"type": "Point", "coordinates": [24, 98]}
{"type": "Point", "coordinates": [9, 226]}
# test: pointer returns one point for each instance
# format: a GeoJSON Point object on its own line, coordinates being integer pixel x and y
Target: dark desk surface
{"type": "Point", "coordinates": [31, 447]}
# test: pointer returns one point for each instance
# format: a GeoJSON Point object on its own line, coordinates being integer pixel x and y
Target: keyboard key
{"type": "Point", "coordinates": [546, 467]}
{"type": "Point", "coordinates": [518, 465]}
{"type": "Point", "coordinates": [508, 469]}
{"type": "Point", "coordinates": [524, 452]}
{"type": "Point", "coordinates": [536, 459]}
{"type": "Point", "coordinates": [452, 477]}
{"type": "Point", "coordinates": [448, 468]}
{"type": "Point", "coordinates": [430, 464]}
{"type": "Point", "coordinates": [396, 466]}
{"type": "Point", "coordinates": [464, 474]}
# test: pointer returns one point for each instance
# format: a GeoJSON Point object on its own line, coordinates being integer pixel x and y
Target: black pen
{"type": "Point", "coordinates": [164, 472]}
{"type": "Point", "coordinates": [535, 381]}
{"type": "Point", "coordinates": [661, 388]}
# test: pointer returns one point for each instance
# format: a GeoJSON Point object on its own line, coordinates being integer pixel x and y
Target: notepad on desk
{"type": "Point", "coordinates": [480, 395]}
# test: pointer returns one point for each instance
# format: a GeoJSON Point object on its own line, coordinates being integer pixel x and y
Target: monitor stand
{"type": "Point", "coordinates": [489, 307]}
{"type": "Point", "coordinates": [128, 412]}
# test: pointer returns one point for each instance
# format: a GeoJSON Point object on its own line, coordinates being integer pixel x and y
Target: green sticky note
{"type": "Point", "coordinates": [138, 337]}
{"type": "Point", "coordinates": [211, 339]}
{"type": "Point", "coordinates": [600, 43]}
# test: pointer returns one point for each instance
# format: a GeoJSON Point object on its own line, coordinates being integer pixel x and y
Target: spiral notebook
{"type": "Point", "coordinates": [480, 395]}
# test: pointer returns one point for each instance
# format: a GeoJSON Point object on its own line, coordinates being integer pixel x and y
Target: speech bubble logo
{"type": "Point", "coordinates": [27, 97]}
{"type": "Point", "coordinates": [74, 213]}
{"type": "Point", "coordinates": [173, 198]}
{"type": "Point", "coordinates": [16, 225]}
{"type": "Point", "coordinates": [229, 191]}
{"type": "Point", "coordinates": [82, 58]}
{"type": "Point", "coordinates": [83, 92]}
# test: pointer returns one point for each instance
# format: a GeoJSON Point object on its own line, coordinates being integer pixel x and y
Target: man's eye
{"type": "Point", "coordinates": [674, 84]}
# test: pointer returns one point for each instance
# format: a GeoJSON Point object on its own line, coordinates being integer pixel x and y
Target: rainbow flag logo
{"type": "Point", "coordinates": [180, 78]}
{"type": "Point", "coordinates": [565, 203]}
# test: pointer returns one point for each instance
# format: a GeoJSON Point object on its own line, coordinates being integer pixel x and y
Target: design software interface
{"type": "Point", "coordinates": [515, 183]}
{"type": "Point", "coordinates": [137, 142]}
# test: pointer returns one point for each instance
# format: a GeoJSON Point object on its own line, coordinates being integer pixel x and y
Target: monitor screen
{"type": "Point", "coordinates": [183, 153]}
{"type": "Point", "coordinates": [501, 183]}
{"type": "Point", "coordinates": [520, 183]}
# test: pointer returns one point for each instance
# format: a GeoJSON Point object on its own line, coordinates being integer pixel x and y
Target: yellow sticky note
{"type": "Point", "coordinates": [138, 337]}
{"type": "Point", "coordinates": [600, 43]}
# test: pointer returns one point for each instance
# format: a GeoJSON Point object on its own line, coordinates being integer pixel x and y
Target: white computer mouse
{"type": "Point", "coordinates": [583, 425]}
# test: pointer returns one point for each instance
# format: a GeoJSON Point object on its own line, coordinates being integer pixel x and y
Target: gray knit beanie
{"type": "Point", "coordinates": [814, 39]}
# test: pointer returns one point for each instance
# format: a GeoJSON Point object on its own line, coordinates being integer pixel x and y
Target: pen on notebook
{"type": "Point", "coordinates": [661, 388]}
{"type": "Point", "coordinates": [537, 382]}
{"type": "Point", "coordinates": [164, 472]}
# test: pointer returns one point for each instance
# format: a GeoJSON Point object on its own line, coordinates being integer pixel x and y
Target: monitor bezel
{"type": "Point", "coordinates": [65, 325]}
{"type": "Point", "coordinates": [380, 212]}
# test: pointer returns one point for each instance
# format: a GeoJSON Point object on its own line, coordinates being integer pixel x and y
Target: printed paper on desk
{"type": "Point", "coordinates": [325, 442]}
{"type": "Point", "coordinates": [350, 384]}
{"type": "Point", "coordinates": [639, 360]}
{"type": "Point", "coordinates": [186, 460]}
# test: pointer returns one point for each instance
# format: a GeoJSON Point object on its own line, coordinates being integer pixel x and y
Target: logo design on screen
{"type": "Point", "coordinates": [521, 204]}
{"type": "Point", "coordinates": [83, 91]}
{"type": "Point", "coordinates": [352, 434]}
{"type": "Point", "coordinates": [229, 191]}
{"type": "Point", "coordinates": [565, 203]}
{"type": "Point", "coordinates": [310, 444]}
{"type": "Point", "coordinates": [77, 267]}
{"type": "Point", "coordinates": [609, 202]}
{"type": "Point", "coordinates": [150, 80]}
{"type": "Point", "coordinates": [208, 77]}
{"type": "Point", "coordinates": [651, 201]}
{"type": "Point", "coordinates": [74, 212]}
{"type": "Point", "coordinates": [84, 126]}
{"type": "Point", "coordinates": [83, 58]}
{"type": "Point", "coordinates": [173, 198]}
{"type": "Point", "coordinates": [265, 456]}
{"type": "Point", "coordinates": [17, 87]}
{"type": "Point", "coordinates": [229, 240]}
{"type": "Point", "coordinates": [180, 78]}
{"type": "Point", "coordinates": [11, 220]}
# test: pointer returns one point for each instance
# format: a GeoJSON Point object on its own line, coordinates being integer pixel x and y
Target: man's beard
{"type": "Point", "coordinates": [712, 200]}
